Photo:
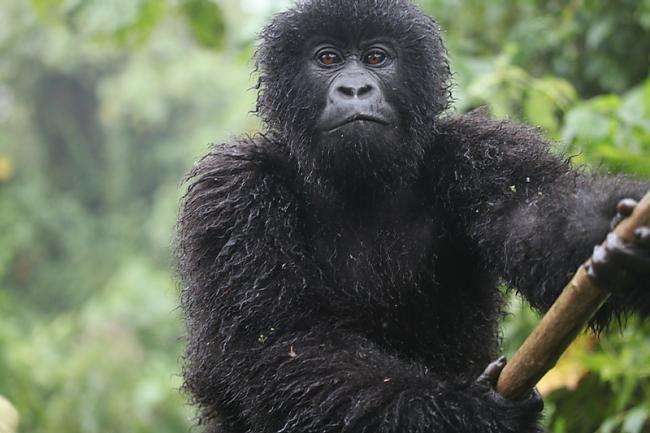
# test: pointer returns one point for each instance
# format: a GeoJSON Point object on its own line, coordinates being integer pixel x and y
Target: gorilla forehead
{"type": "Point", "coordinates": [352, 20]}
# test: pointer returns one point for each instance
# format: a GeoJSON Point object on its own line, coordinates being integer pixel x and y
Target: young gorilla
{"type": "Point", "coordinates": [340, 270]}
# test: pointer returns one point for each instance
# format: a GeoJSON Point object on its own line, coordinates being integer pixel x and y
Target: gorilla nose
{"type": "Point", "coordinates": [355, 90]}
{"type": "Point", "coordinates": [354, 97]}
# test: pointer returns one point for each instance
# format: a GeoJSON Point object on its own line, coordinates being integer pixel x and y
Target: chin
{"type": "Point", "coordinates": [374, 156]}
{"type": "Point", "coordinates": [361, 135]}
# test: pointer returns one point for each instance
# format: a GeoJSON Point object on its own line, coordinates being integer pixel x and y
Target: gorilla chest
{"type": "Point", "coordinates": [404, 283]}
{"type": "Point", "coordinates": [378, 256]}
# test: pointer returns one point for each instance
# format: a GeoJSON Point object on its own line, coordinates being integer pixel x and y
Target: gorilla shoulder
{"type": "Point", "coordinates": [247, 159]}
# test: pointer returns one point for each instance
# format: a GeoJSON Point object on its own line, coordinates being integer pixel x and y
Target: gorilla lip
{"type": "Point", "coordinates": [360, 118]}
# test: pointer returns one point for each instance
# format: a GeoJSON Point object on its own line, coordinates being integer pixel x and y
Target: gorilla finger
{"type": "Point", "coordinates": [603, 270]}
{"type": "Point", "coordinates": [616, 249]}
{"type": "Point", "coordinates": [636, 260]}
{"type": "Point", "coordinates": [602, 259]}
{"type": "Point", "coordinates": [492, 371]}
{"type": "Point", "coordinates": [642, 236]}
{"type": "Point", "coordinates": [624, 209]}
{"type": "Point", "coordinates": [626, 206]}
{"type": "Point", "coordinates": [603, 275]}
{"type": "Point", "coordinates": [627, 256]}
{"type": "Point", "coordinates": [535, 401]}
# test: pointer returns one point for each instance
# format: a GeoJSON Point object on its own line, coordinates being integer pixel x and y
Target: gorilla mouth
{"type": "Point", "coordinates": [360, 117]}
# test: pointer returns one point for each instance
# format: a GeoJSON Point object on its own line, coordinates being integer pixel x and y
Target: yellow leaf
{"type": "Point", "coordinates": [6, 169]}
{"type": "Point", "coordinates": [569, 371]}
{"type": "Point", "coordinates": [8, 417]}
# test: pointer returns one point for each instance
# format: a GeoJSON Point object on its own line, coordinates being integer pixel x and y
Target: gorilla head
{"type": "Point", "coordinates": [352, 87]}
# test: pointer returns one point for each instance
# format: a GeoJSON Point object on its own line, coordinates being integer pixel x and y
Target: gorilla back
{"type": "Point", "coordinates": [340, 269]}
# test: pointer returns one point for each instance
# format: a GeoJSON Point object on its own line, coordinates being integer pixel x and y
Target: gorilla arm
{"type": "Point", "coordinates": [529, 215]}
{"type": "Point", "coordinates": [265, 353]}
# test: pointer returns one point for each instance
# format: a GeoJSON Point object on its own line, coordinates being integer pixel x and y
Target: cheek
{"type": "Point", "coordinates": [308, 94]}
{"type": "Point", "coordinates": [399, 99]}
{"type": "Point", "coordinates": [315, 88]}
{"type": "Point", "coordinates": [394, 96]}
{"type": "Point", "coordinates": [396, 89]}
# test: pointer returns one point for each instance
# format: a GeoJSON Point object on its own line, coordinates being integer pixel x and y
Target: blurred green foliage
{"type": "Point", "coordinates": [104, 105]}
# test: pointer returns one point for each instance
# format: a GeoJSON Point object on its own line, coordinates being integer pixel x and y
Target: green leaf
{"type": "Point", "coordinates": [585, 123]}
{"type": "Point", "coordinates": [540, 111]}
{"type": "Point", "coordinates": [635, 420]}
{"type": "Point", "coordinates": [609, 425]}
{"type": "Point", "coordinates": [149, 15]}
{"type": "Point", "coordinates": [205, 21]}
{"type": "Point", "coordinates": [45, 6]}
{"type": "Point", "coordinates": [621, 160]}
{"type": "Point", "coordinates": [635, 109]}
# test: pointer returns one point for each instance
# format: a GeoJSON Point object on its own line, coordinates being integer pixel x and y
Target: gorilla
{"type": "Point", "coordinates": [340, 268]}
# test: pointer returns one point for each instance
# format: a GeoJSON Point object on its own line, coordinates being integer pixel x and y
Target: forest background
{"type": "Point", "coordinates": [104, 105]}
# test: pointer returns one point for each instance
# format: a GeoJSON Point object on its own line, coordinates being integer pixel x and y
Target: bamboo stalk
{"type": "Point", "coordinates": [575, 306]}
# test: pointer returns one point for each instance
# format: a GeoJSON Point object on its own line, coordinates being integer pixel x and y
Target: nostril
{"type": "Point", "coordinates": [347, 91]}
{"type": "Point", "coordinates": [364, 90]}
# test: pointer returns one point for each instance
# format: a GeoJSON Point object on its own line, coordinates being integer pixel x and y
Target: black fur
{"type": "Point", "coordinates": [310, 309]}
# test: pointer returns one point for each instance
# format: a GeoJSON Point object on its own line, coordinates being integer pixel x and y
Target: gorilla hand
{"type": "Point", "coordinates": [621, 266]}
{"type": "Point", "coordinates": [523, 411]}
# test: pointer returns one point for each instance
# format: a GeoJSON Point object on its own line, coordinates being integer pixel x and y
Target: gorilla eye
{"type": "Point", "coordinates": [329, 58]}
{"type": "Point", "coordinates": [375, 57]}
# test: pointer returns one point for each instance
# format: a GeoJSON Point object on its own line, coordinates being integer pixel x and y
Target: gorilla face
{"type": "Point", "coordinates": [353, 88]}
{"type": "Point", "coordinates": [358, 128]}
{"type": "Point", "coordinates": [358, 86]}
